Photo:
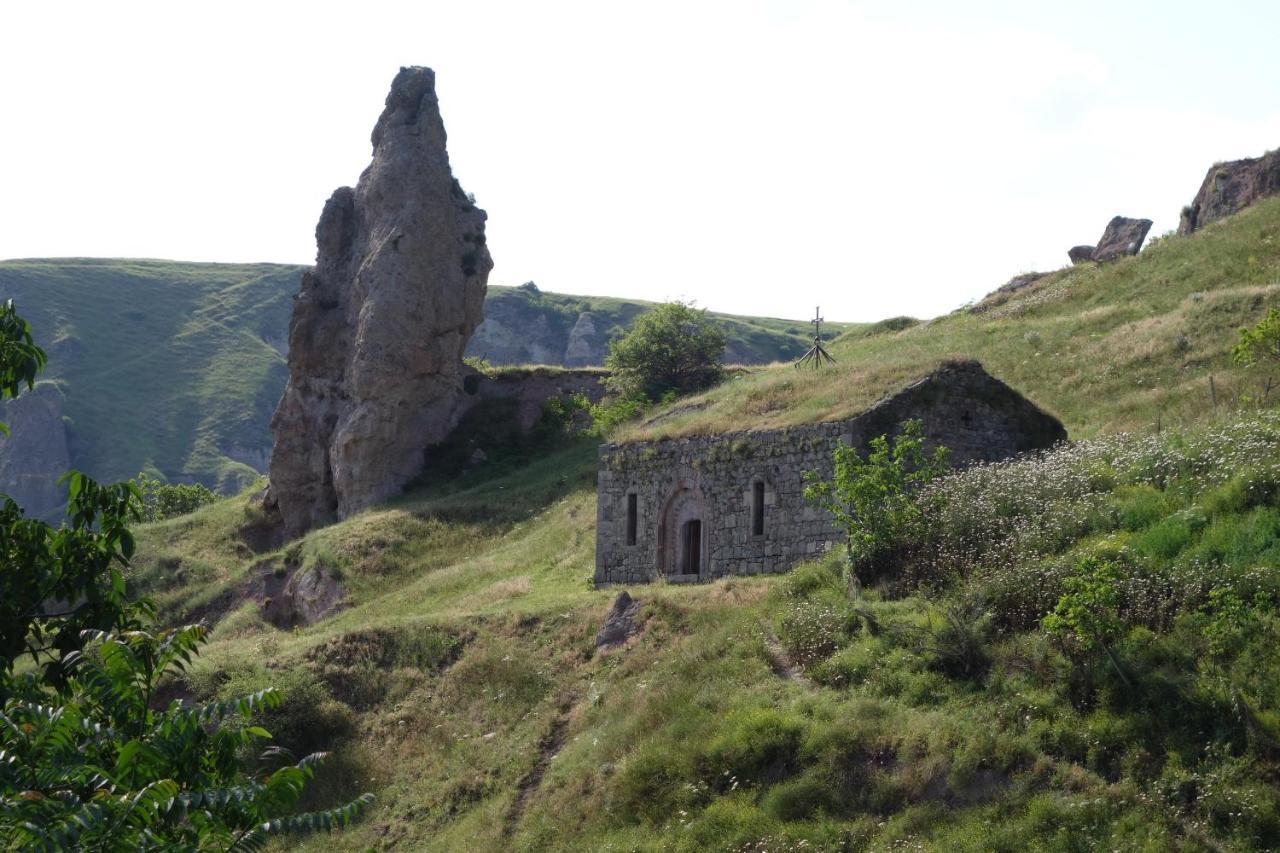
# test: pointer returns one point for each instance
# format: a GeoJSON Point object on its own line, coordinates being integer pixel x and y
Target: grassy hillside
{"type": "Point", "coordinates": [1116, 347]}
{"type": "Point", "coordinates": [169, 367]}
{"type": "Point", "coordinates": [175, 368]}
{"type": "Point", "coordinates": [461, 684]}
{"type": "Point", "coordinates": [524, 325]}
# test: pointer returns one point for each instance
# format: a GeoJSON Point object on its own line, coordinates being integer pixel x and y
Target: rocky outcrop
{"type": "Point", "coordinates": [380, 323]}
{"type": "Point", "coordinates": [1229, 187]}
{"type": "Point", "coordinates": [1080, 254]}
{"type": "Point", "coordinates": [34, 454]}
{"type": "Point", "coordinates": [587, 345]}
{"type": "Point", "coordinates": [1123, 236]}
{"type": "Point", "coordinates": [619, 623]}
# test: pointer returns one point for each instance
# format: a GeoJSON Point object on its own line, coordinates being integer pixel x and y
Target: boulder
{"type": "Point", "coordinates": [619, 623]}
{"type": "Point", "coordinates": [1080, 254]}
{"type": "Point", "coordinates": [380, 323]}
{"type": "Point", "coordinates": [1229, 187]}
{"type": "Point", "coordinates": [1123, 236]}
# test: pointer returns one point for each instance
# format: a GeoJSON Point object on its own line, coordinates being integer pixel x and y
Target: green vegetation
{"type": "Point", "coordinates": [168, 368]}
{"type": "Point", "coordinates": [175, 368]}
{"type": "Point", "coordinates": [874, 499]}
{"type": "Point", "coordinates": [1127, 345]}
{"type": "Point", "coordinates": [86, 760]}
{"type": "Point", "coordinates": [167, 500]}
{"type": "Point", "coordinates": [1073, 651]}
{"type": "Point", "coordinates": [673, 349]}
{"type": "Point", "coordinates": [934, 711]}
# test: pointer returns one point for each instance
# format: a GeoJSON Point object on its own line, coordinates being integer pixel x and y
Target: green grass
{"type": "Point", "coordinates": [461, 684]}
{"type": "Point", "coordinates": [464, 660]}
{"type": "Point", "coordinates": [167, 367]}
{"type": "Point", "coordinates": [1121, 346]}
{"type": "Point", "coordinates": [175, 368]}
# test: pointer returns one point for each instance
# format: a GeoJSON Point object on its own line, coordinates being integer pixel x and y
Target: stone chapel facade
{"type": "Point", "coordinates": [698, 508]}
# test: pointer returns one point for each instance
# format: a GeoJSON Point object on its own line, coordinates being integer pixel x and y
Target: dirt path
{"type": "Point", "coordinates": [779, 661]}
{"type": "Point", "coordinates": [548, 748]}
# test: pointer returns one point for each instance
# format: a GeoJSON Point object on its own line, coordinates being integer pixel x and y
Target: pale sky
{"type": "Point", "coordinates": [755, 157]}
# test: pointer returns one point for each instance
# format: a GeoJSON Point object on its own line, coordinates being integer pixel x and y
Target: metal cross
{"type": "Point", "coordinates": [817, 356]}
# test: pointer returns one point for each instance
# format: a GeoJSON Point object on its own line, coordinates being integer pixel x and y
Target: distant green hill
{"type": "Point", "coordinates": [175, 368]}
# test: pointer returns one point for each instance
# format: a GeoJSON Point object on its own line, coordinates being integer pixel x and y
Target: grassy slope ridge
{"type": "Point", "coordinates": [462, 686]}
{"type": "Point", "coordinates": [1105, 348]}
{"type": "Point", "coordinates": [166, 366]}
{"type": "Point", "coordinates": [176, 367]}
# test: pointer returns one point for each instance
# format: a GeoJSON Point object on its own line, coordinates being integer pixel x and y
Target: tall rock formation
{"type": "Point", "coordinates": [380, 323]}
{"type": "Point", "coordinates": [1229, 187]}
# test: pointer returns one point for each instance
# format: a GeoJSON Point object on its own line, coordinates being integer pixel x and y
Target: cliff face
{"type": "Point", "coordinates": [1229, 187]}
{"type": "Point", "coordinates": [35, 453]}
{"type": "Point", "coordinates": [380, 323]}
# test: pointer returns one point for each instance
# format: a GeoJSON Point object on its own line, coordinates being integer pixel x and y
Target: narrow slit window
{"type": "Point", "coordinates": [631, 519]}
{"type": "Point", "coordinates": [757, 508]}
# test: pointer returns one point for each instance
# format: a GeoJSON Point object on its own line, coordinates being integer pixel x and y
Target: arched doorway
{"type": "Point", "coordinates": [682, 533]}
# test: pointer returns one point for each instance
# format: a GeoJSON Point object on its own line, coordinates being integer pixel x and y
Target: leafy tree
{"type": "Point", "coordinates": [162, 500]}
{"type": "Point", "coordinates": [1088, 613]}
{"type": "Point", "coordinates": [674, 347]}
{"type": "Point", "coordinates": [874, 499]}
{"type": "Point", "coordinates": [86, 759]}
{"type": "Point", "coordinates": [1260, 344]}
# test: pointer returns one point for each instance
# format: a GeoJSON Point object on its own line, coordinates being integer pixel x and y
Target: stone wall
{"type": "Point", "coordinates": [711, 480]}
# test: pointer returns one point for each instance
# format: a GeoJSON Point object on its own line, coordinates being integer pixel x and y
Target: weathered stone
{"type": "Point", "coordinates": [718, 481]}
{"type": "Point", "coordinates": [619, 623]}
{"type": "Point", "coordinates": [35, 454]}
{"type": "Point", "coordinates": [1002, 294]}
{"type": "Point", "coordinates": [1080, 254]}
{"type": "Point", "coordinates": [1229, 187]}
{"type": "Point", "coordinates": [1123, 236]}
{"type": "Point", "coordinates": [380, 323]}
{"type": "Point", "coordinates": [586, 343]}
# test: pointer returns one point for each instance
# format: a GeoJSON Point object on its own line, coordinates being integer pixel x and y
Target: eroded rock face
{"type": "Point", "coordinates": [34, 454]}
{"type": "Point", "coordinates": [380, 323]}
{"type": "Point", "coordinates": [1229, 187]}
{"type": "Point", "coordinates": [587, 346]}
{"type": "Point", "coordinates": [1123, 236]}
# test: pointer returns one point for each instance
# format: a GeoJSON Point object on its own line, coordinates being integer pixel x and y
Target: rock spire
{"type": "Point", "coordinates": [380, 323]}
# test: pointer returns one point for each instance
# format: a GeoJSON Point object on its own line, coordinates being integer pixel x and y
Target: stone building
{"type": "Point", "coordinates": [697, 508]}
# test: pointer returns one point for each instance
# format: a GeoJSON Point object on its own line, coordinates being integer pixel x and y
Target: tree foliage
{"type": "Point", "coordinates": [1087, 615]}
{"type": "Point", "coordinates": [874, 499]}
{"type": "Point", "coordinates": [161, 500]}
{"type": "Point", "coordinates": [1259, 343]}
{"type": "Point", "coordinates": [89, 756]}
{"type": "Point", "coordinates": [674, 347]}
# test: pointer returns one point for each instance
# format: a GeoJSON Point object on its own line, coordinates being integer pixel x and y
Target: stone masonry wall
{"type": "Point", "coordinates": [711, 478]}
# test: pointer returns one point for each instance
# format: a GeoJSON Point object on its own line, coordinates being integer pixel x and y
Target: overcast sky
{"type": "Point", "coordinates": [756, 157]}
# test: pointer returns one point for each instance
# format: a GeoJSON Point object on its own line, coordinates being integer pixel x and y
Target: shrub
{"type": "Point", "coordinates": [169, 500]}
{"type": "Point", "coordinates": [1088, 614]}
{"type": "Point", "coordinates": [673, 347]}
{"type": "Point", "coordinates": [874, 499]}
{"type": "Point", "coordinates": [958, 647]}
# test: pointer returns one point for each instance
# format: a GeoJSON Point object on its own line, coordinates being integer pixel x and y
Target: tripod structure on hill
{"type": "Point", "coordinates": [817, 355]}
